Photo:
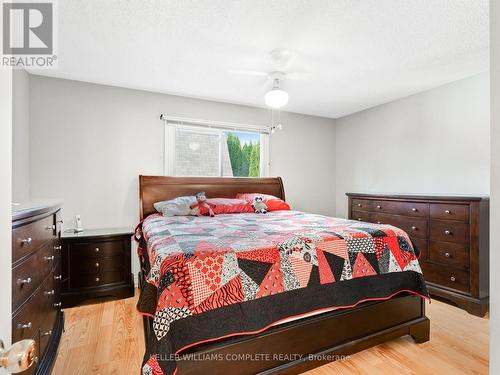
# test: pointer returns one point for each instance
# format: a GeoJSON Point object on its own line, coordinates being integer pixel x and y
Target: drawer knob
{"type": "Point", "coordinates": [97, 264]}
{"type": "Point", "coordinates": [58, 277]}
{"type": "Point", "coordinates": [50, 227]}
{"type": "Point", "coordinates": [24, 326]}
{"type": "Point", "coordinates": [24, 281]}
{"type": "Point", "coordinates": [47, 258]}
{"type": "Point", "coordinates": [58, 247]}
{"type": "Point", "coordinates": [379, 207]}
{"type": "Point", "coordinates": [447, 232]}
{"type": "Point", "coordinates": [360, 205]}
{"type": "Point", "coordinates": [57, 304]}
{"type": "Point", "coordinates": [27, 241]}
{"type": "Point", "coordinates": [414, 228]}
{"type": "Point", "coordinates": [49, 292]}
{"type": "Point", "coordinates": [447, 212]}
{"type": "Point", "coordinates": [452, 278]}
{"type": "Point", "coordinates": [359, 219]}
{"type": "Point", "coordinates": [48, 333]}
{"type": "Point", "coordinates": [378, 222]}
{"type": "Point", "coordinates": [447, 255]}
{"type": "Point", "coordinates": [96, 249]}
{"type": "Point", "coordinates": [97, 279]}
{"type": "Point", "coordinates": [414, 209]}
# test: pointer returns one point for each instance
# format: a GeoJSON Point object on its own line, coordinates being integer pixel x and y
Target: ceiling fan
{"type": "Point", "coordinates": [281, 60]}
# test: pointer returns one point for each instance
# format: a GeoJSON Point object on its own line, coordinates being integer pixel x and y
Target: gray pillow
{"type": "Point", "coordinates": [179, 206]}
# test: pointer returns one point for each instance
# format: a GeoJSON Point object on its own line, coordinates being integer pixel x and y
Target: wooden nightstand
{"type": "Point", "coordinates": [96, 263]}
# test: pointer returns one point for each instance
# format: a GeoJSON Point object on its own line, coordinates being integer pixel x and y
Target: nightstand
{"type": "Point", "coordinates": [96, 263]}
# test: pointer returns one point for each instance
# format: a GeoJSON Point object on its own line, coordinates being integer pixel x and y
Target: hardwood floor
{"type": "Point", "coordinates": [107, 338]}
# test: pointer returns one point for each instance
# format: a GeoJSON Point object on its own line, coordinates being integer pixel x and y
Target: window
{"type": "Point", "coordinates": [196, 150]}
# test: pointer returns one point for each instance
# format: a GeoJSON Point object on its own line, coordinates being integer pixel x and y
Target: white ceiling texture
{"type": "Point", "coordinates": [351, 54]}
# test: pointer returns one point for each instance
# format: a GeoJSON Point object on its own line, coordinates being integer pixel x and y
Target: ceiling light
{"type": "Point", "coordinates": [276, 97]}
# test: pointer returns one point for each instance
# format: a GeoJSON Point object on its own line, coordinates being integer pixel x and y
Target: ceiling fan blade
{"type": "Point", "coordinates": [254, 73]}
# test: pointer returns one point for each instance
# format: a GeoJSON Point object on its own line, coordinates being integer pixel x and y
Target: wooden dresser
{"type": "Point", "coordinates": [96, 263]}
{"type": "Point", "coordinates": [452, 235]}
{"type": "Point", "coordinates": [36, 280]}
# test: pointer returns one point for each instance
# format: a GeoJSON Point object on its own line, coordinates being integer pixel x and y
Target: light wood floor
{"type": "Point", "coordinates": [107, 338]}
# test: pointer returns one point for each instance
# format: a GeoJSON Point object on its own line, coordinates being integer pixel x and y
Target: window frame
{"type": "Point", "coordinates": [169, 151]}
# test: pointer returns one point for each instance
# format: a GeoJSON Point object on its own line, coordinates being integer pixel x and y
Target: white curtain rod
{"type": "Point", "coordinates": [216, 124]}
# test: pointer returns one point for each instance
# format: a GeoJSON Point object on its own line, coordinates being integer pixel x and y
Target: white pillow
{"type": "Point", "coordinates": [179, 206]}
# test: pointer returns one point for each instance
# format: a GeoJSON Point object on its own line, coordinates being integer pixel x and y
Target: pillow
{"type": "Point", "coordinates": [179, 206]}
{"type": "Point", "coordinates": [273, 203]}
{"type": "Point", "coordinates": [229, 205]}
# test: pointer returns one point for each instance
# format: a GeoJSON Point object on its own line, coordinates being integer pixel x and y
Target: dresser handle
{"type": "Point", "coordinates": [97, 279]}
{"type": "Point", "coordinates": [414, 228]}
{"type": "Point", "coordinates": [57, 304]}
{"type": "Point", "coordinates": [414, 209]}
{"type": "Point", "coordinates": [96, 249]}
{"type": "Point", "coordinates": [58, 277]}
{"type": "Point", "coordinates": [447, 255]}
{"type": "Point", "coordinates": [447, 212]}
{"type": "Point", "coordinates": [97, 264]}
{"type": "Point", "coordinates": [452, 278]}
{"type": "Point", "coordinates": [378, 222]}
{"type": "Point", "coordinates": [24, 281]}
{"type": "Point", "coordinates": [379, 207]}
{"type": "Point", "coordinates": [27, 241]}
{"type": "Point", "coordinates": [447, 232]}
{"type": "Point", "coordinates": [47, 258]}
{"type": "Point", "coordinates": [58, 247]}
{"type": "Point", "coordinates": [360, 205]}
{"type": "Point", "coordinates": [24, 326]}
{"type": "Point", "coordinates": [50, 227]}
{"type": "Point", "coordinates": [49, 292]}
{"type": "Point", "coordinates": [48, 333]}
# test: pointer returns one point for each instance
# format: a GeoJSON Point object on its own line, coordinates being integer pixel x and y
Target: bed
{"type": "Point", "coordinates": [279, 310]}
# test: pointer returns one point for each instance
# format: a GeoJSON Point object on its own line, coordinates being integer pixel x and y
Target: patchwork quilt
{"type": "Point", "coordinates": [237, 274]}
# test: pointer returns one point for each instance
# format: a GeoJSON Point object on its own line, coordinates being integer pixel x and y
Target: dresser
{"type": "Point", "coordinates": [96, 263]}
{"type": "Point", "coordinates": [36, 280]}
{"type": "Point", "coordinates": [450, 232]}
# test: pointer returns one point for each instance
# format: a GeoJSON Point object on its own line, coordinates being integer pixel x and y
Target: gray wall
{"type": "Point", "coordinates": [432, 142]}
{"type": "Point", "coordinates": [89, 143]}
{"type": "Point", "coordinates": [495, 188]}
{"type": "Point", "coordinates": [20, 136]}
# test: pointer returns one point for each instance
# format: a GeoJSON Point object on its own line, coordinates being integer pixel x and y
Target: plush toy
{"type": "Point", "coordinates": [259, 206]}
{"type": "Point", "coordinates": [201, 206]}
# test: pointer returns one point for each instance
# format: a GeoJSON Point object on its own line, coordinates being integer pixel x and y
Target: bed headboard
{"type": "Point", "coordinates": [159, 188]}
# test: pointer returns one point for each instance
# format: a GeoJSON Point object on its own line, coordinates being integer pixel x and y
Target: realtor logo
{"type": "Point", "coordinates": [28, 34]}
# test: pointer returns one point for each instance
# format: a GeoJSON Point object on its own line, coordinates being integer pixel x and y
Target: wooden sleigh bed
{"type": "Point", "coordinates": [299, 345]}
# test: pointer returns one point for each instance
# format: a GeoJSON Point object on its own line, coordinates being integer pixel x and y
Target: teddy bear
{"type": "Point", "coordinates": [202, 207]}
{"type": "Point", "coordinates": [259, 206]}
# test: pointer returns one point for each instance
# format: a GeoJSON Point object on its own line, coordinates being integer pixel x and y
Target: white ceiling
{"type": "Point", "coordinates": [359, 53]}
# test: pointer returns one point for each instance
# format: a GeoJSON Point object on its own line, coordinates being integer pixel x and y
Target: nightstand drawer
{"type": "Point", "coordinates": [97, 279]}
{"type": "Point", "coordinates": [97, 264]}
{"type": "Point", "coordinates": [96, 249]}
{"type": "Point", "coordinates": [452, 254]}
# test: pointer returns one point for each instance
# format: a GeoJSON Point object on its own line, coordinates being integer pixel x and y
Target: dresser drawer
{"type": "Point", "coordinates": [448, 277]}
{"type": "Point", "coordinates": [400, 208]}
{"type": "Point", "coordinates": [28, 275]}
{"type": "Point", "coordinates": [97, 279]}
{"type": "Point", "coordinates": [361, 204]}
{"type": "Point", "coordinates": [450, 231]}
{"type": "Point", "coordinates": [450, 211]}
{"type": "Point", "coordinates": [29, 237]}
{"type": "Point", "coordinates": [415, 227]}
{"type": "Point", "coordinates": [97, 264]}
{"type": "Point", "coordinates": [360, 215]}
{"type": "Point", "coordinates": [96, 249]}
{"type": "Point", "coordinates": [421, 248]}
{"type": "Point", "coordinates": [452, 254]}
{"type": "Point", "coordinates": [26, 323]}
